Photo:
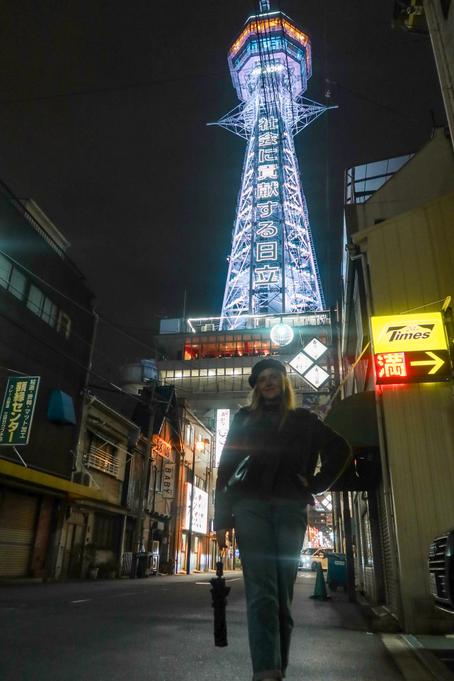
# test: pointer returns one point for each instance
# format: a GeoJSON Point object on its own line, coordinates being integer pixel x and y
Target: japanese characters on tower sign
{"type": "Point", "coordinates": [410, 348]}
{"type": "Point", "coordinates": [18, 406]}
{"type": "Point", "coordinates": [267, 246]}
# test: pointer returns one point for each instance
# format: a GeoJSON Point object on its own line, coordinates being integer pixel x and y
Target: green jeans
{"type": "Point", "coordinates": [270, 535]}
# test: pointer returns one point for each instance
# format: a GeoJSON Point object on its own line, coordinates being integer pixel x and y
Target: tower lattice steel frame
{"type": "Point", "coordinates": [272, 264]}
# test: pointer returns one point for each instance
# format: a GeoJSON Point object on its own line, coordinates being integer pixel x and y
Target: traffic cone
{"type": "Point", "coordinates": [320, 587]}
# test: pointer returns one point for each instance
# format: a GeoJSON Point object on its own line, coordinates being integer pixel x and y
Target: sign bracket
{"type": "Point", "coordinates": [16, 451]}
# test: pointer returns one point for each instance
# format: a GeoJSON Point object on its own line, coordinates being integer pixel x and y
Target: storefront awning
{"type": "Point", "coordinates": [355, 418]}
{"type": "Point", "coordinates": [47, 481]}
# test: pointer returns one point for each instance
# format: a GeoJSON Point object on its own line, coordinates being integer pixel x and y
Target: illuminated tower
{"type": "Point", "coordinates": [272, 265]}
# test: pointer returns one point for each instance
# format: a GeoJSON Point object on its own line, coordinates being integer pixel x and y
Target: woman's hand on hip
{"type": "Point", "coordinates": [222, 538]}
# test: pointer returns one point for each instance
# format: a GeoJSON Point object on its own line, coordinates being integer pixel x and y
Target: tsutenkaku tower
{"type": "Point", "coordinates": [272, 265]}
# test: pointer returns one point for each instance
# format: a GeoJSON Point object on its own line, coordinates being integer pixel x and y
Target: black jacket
{"type": "Point", "coordinates": [282, 461]}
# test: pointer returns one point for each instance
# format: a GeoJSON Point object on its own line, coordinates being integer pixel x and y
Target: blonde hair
{"type": "Point", "coordinates": [288, 399]}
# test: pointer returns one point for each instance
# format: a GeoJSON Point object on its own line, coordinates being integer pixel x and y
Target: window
{"type": "Point", "coordinates": [11, 278]}
{"type": "Point", "coordinates": [42, 306]}
{"type": "Point", "coordinates": [5, 271]}
{"type": "Point", "coordinates": [188, 435]}
{"type": "Point", "coordinates": [169, 374]}
{"type": "Point", "coordinates": [63, 324]}
{"type": "Point", "coordinates": [17, 284]}
{"type": "Point", "coordinates": [220, 372]}
{"type": "Point", "coordinates": [35, 300]}
{"type": "Point", "coordinates": [102, 455]}
{"type": "Point", "coordinates": [211, 372]}
{"type": "Point", "coordinates": [195, 372]}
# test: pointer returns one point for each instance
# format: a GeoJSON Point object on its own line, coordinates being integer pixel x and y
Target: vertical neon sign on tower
{"type": "Point", "coordinates": [272, 264]}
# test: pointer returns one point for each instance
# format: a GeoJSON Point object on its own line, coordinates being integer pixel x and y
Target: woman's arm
{"type": "Point", "coordinates": [231, 456]}
{"type": "Point", "coordinates": [335, 456]}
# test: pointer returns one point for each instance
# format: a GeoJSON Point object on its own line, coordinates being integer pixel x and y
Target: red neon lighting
{"type": "Point", "coordinates": [390, 364]}
{"type": "Point", "coordinates": [264, 26]}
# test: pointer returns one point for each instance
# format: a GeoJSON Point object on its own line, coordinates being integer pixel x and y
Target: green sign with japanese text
{"type": "Point", "coordinates": [18, 406]}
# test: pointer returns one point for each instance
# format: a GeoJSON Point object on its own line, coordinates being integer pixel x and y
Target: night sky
{"type": "Point", "coordinates": [103, 112]}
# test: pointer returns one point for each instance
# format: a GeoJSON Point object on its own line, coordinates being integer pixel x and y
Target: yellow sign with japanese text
{"type": "Point", "coordinates": [408, 332]}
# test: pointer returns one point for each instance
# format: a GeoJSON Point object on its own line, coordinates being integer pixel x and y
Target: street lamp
{"type": "Point", "coordinates": [199, 446]}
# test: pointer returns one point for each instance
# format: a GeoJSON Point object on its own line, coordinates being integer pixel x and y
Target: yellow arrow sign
{"type": "Point", "coordinates": [436, 362]}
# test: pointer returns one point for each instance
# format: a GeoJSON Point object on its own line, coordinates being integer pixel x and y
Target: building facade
{"type": "Point", "coordinates": [46, 344]}
{"type": "Point", "coordinates": [398, 261]}
{"type": "Point", "coordinates": [210, 369]}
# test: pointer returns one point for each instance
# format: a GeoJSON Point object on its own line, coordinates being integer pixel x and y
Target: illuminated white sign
{"type": "Point", "coordinates": [266, 229]}
{"type": "Point", "coordinates": [316, 376]}
{"type": "Point", "coordinates": [268, 155]}
{"type": "Point", "coordinates": [168, 480]}
{"type": "Point", "coordinates": [266, 250]}
{"type": "Point", "coordinates": [300, 363]}
{"type": "Point", "coordinates": [222, 428]}
{"type": "Point", "coordinates": [315, 349]}
{"type": "Point", "coordinates": [268, 190]}
{"type": "Point", "coordinates": [199, 509]}
{"type": "Point", "coordinates": [281, 334]}
{"type": "Point", "coordinates": [266, 275]}
{"type": "Point", "coordinates": [265, 210]}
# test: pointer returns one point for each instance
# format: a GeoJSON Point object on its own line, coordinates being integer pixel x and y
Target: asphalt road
{"type": "Point", "coordinates": [160, 629]}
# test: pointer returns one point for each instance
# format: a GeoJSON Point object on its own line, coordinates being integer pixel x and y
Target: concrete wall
{"type": "Point", "coordinates": [441, 30]}
{"type": "Point", "coordinates": [428, 175]}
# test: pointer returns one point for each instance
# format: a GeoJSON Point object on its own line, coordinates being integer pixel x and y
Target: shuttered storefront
{"type": "Point", "coordinates": [389, 558]}
{"type": "Point", "coordinates": [17, 528]}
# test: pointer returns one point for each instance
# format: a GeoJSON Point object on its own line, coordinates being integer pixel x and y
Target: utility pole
{"type": "Point", "coordinates": [189, 542]}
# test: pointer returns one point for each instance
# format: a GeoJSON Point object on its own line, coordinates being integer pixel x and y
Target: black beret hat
{"type": "Point", "coordinates": [262, 365]}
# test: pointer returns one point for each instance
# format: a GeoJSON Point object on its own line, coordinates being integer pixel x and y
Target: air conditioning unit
{"type": "Point", "coordinates": [208, 327]}
{"type": "Point", "coordinates": [81, 478]}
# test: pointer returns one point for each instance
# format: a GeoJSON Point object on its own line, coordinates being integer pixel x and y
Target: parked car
{"type": "Point", "coordinates": [441, 571]}
{"type": "Point", "coordinates": [305, 552]}
{"type": "Point", "coordinates": [310, 560]}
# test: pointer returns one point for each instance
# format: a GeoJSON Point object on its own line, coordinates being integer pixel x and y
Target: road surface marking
{"type": "Point", "coordinates": [82, 600]}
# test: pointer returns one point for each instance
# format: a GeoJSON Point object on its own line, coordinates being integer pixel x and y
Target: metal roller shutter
{"type": "Point", "coordinates": [17, 528]}
{"type": "Point", "coordinates": [389, 559]}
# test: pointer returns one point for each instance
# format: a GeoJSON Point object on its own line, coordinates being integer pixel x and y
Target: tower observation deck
{"type": "Point", "coordinates": [272, 264]}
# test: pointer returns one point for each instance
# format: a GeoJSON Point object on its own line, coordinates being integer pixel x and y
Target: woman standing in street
{"type": "Point", "coordinates": [266, 478]}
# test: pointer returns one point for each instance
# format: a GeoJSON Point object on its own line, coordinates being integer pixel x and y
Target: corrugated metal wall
{"type": "Point", "coordinates": [411, 264]}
